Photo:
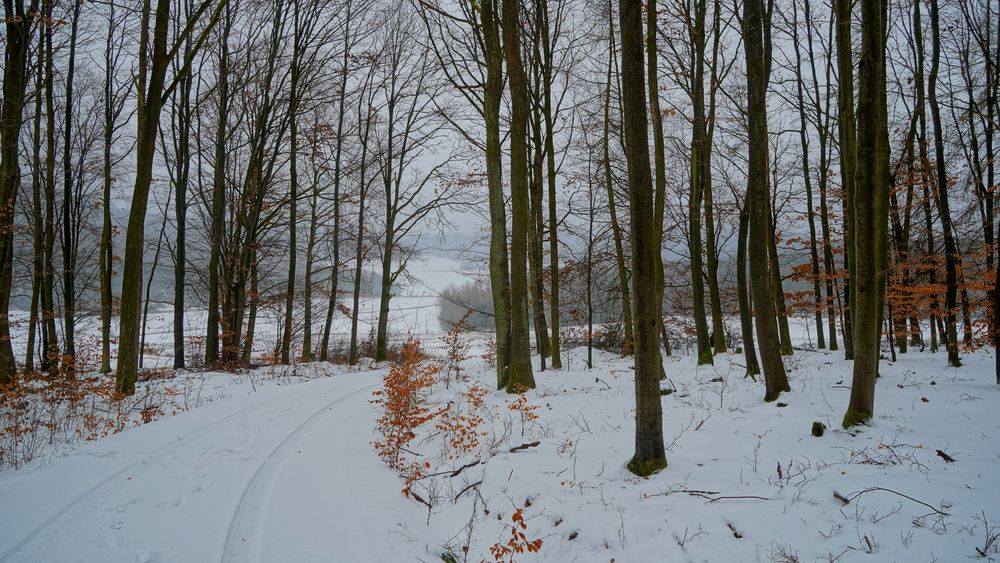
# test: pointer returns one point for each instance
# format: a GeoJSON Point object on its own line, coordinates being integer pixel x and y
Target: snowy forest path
{"type": "Point", "coordinates": [189, 488]}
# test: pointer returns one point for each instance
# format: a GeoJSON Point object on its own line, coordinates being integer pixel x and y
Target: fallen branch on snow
{"type": "Point", "coordinates": [873, 489]}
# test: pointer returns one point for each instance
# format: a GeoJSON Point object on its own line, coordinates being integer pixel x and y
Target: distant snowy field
{"type": "Point", "coordinates": [413, 311]}
{"type": "Point", "coordinates": [276, 465]}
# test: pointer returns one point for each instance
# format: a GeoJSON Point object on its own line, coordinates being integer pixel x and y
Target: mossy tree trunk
{"type": "Point", "coordinates": [520, 375]}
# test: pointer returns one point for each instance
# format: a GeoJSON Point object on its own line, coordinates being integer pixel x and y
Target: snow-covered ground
{"type": "Point", "coordinates": [280, 468]}
{"type": "Point", "coordinates": [276, 464]}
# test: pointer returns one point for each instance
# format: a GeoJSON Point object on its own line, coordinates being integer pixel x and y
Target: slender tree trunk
{"type": "Point", "coordinates": [535, 236]}
{"type": "Point", "coordinates": [50, 348]}
{"type": "Point", "coordinates": [616, 231]}
{"type": "Point", "coordinates": [822, 119]}
{"type": "Point", "coordinates": [218, 210]}
{"type": "Point", "coordinates": [15, 79]}
{"type": "Point", "coordinates": [183, 164]}
{"type": "Point", "coordinates": [848, 156]}
{"type": "Point", "coordinates": [338, 153]}
{"type": "Point", "coordinates": [778, 289]}
{"type": "Point", "coordinates": [951, 257]}
{"type": "Point", "coordinates": [307, 281]}
{"type": "Point", "coordinates": [659, 160]}
{"type": "Point", "coordinates": [151, 82]}
{"type": "Point", "coordinates": [38, 227]}
{"type": "Point", "coordinates": [871, 94]}
{"type": "Point", "coordinates": [550, 152]}
{"type": "Point", "coordinates": [106, 253]}
{"type": "Point", "coordinates": [807, 179]}
{"type": "Point", "coordinates": [711, 252]}
{"type": "Point", "coordinates": [649, 454]}
{"type": "Point", "coordinates": [359, 253]}
{"type": "Point", "coordinates": [293, 180]}
{"type": "Point", "coordinates": [499, 275]}
{"type": "Point", "coordinates": [520, 376]}
{"type": "Point", "coordinates": [743, 293]}
{"type": "Point", "coordinates": [68, 239]}
{"type": "Point", "coordinates": [758, 201]}
{"type": "Point", "coordinates": [699, 138]}
{"type": "Point", "coordinates": [149, 280]}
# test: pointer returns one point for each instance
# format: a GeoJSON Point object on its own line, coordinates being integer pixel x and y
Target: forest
{"type": "Point", "coordinates": [468, 226]}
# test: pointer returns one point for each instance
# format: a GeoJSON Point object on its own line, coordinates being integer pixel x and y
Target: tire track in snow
{"type": "Point", "coordinates": [52, 532]}
{"type": "Point", "coordinates": [243, 542]}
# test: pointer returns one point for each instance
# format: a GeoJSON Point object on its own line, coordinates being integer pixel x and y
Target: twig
{"type": "Point", "coordinates": [524, 446]}
{"type": "Point", "coordinates": [735, 497]}
{"type": "Point", "coordinates": [462, 492]}
{"type": "Point", "coordinates": [464, 467]}
{"type": "Point", "coordinates": [872, 489]}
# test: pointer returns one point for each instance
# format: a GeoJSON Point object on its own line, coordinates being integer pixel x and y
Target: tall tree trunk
{"type": "Point", "coordinates": [951, 257]}
{"type": "Point", "coordinates": [307, 281]}
{"type": "Point", "coordinates": [920, 104]}
{"type": "Point", "coordinates": [520, 376]}
{"type": "Point", "coordinates": [777, 286]}
{"type": "Point", "coordinates": [38, 227]}
{"type": "Point", "coordinates": [338, 153]}
{"type": "Point", "coordinates": [699, 164]}
{"type": "Point", "coordinates": [758, 199]}
{"type": "Point", "coordinates": [15, 78]}
{"type": "Point", "coordinates": [182, 159]}
{"type": "Point", "coordinates": [616, 231]}
{"type": "Point", "coordinates": [106, 253]}
{"type": "Point", "coordinates": [848, 156]}
{"type": "Point", "coordinates": [218, 210]}
{"type": "Point", "coordinates": [536, 228]}
{"type": "Point", "coordinates": [550, 153]}
{"type": "Point", "coordinates": [535, 235]}
{"type": "Point", "coordinates": [659, 160]}
{"type": "Point", "coordinates": [150, 82]}
{"type": "Point", "coordinates": [649, 454]}
{"type": "Point", "coordinates": [50, 348]}
{"type": "Point", "coordinates": [711, 252]}
{"type": "Point", "coordinates": [359, 249]}
{"type": "Point", "coordinates": [807, 179]}
{"type": "Point", "coordinates": [822, 117]}
{"type": "Point", "coordinates": [866, 213]}
{"type": "Point", "coordinates": [293, 180]}
{"type": "Point", "coordinates": [68, 239]}
{"type": "Point", "coordinates": [499, 275]}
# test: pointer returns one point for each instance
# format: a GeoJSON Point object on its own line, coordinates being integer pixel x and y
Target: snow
{"type": "Point", "coordinates": [286, 472]}
{"type": "Point", "coordinates": [276, 464]}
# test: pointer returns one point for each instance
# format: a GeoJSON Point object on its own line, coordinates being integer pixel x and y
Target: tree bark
{"type": "Point", "coordinates": [866, 213]}
{"type": "Point", "coordinates": [758, 199]}
{"type": "Point", "coordinates": [848, 156]}
{"type": "Point", "coordinates": [499, 275]}
{"type": "Point", "coordinates": [649, 454]}
{"type": "Point", "coordinates": [520, 376]}
{"type": "Point", "coordinates": [951, 257]}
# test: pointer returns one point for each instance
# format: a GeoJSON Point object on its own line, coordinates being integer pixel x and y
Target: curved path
{"type": "Point", "coordinates": [286, 474]}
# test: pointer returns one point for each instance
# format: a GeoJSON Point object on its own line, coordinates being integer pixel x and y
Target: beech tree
{"type": "Point", "coordinates": [649, 454]}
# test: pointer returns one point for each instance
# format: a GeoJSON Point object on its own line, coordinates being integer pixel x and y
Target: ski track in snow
{"type": "Point", "coordinates": [53, 540]}
{"type": "Point", "coordinates": [243, 542]}
{"type": "Point", "coordinates": [46, 537]}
